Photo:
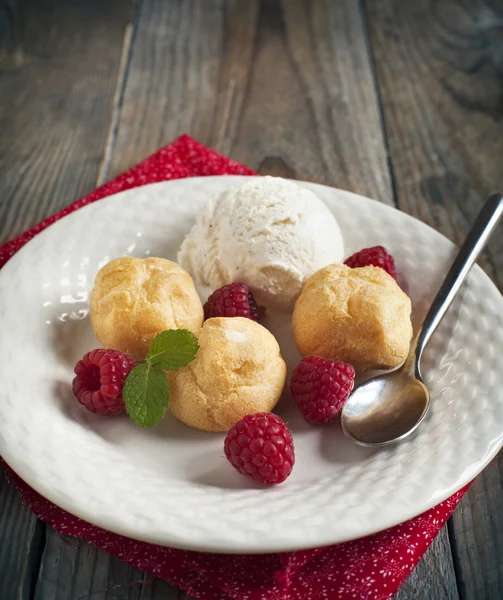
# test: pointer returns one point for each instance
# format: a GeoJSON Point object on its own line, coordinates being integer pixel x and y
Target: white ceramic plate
{"type": "Point", "coordinates": [172, 485]}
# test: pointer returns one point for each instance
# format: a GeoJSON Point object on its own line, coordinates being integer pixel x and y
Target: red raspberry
{"type": "Point", "coordinates": [99, 380]}
{"type": "Point", "coordinates": [320, 387]}
{"type": "Point", "coordinates": [232, 300]}
{"type": "Point", "coordinates": [377, 256]}
{"type": "Point", "coordinates": [261, 447]}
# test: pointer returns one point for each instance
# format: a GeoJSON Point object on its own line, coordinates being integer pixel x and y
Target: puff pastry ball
{"type": "Point", "coordinates": [134, 299]}
{"type": "Point", "coordinates": [359, 316]}
{"type": "Point", "coordinates": [238, 370]}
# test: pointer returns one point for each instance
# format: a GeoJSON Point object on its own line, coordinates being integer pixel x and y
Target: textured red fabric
{"type": "Point", "coordinates": [370, 568]}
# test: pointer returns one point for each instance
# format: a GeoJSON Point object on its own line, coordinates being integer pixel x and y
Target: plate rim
{"type": "Point", "coordinates": [22, 470]}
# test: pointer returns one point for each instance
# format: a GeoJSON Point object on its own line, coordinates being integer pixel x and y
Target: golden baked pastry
{"type": "Point", "coordinates": [359, 316]}
{"type": "Point", "coordinates": [134, 299]}
{"type": "Point", "coordinates": [238, 370]}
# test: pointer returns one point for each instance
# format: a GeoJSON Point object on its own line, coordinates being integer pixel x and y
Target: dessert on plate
{"type": "Point", "coordinates": [134, 299]}
{"type": "Point", "coordinates": [268, 243]}
{"type": "Point", "coordinates": [359, 316]}
{"type": "Point", "coordinates": [269, 233]}
{"type": "Point", "coordinates": [238, 370]}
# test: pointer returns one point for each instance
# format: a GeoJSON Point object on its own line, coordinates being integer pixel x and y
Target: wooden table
{"type": "Point", "coordinates": [401, 101]}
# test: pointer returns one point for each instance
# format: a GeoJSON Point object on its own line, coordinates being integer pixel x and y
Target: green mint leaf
{"type": "Point", "coordinates": [172, 349]}
{"type": "Point", "coordinates": [146, 394]}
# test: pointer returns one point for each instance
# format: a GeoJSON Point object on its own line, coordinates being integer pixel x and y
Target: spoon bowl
{"type": "Point", "coordinates": [388, 408]}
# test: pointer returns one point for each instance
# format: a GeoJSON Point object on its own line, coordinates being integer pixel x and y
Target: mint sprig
{"type": "Point", "coordinates": [172, 349]}
{"type": "Point", "coordinates": [146, 394]}
{"type": "Point", "coordinates": [146, 390]}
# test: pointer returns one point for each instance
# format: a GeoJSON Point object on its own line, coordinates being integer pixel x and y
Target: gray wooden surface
{"type": "Point", "coordinates": [398, 100]}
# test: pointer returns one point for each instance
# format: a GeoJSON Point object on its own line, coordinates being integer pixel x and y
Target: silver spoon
{"type": "Point", "coordinates": [388, 408]}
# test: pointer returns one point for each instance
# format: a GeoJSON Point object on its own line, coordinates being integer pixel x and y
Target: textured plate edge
{"type": "Point", "coordinates": [21, 468]}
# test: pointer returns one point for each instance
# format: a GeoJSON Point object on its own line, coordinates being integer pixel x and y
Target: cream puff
{"type": "Point", "coordinates": [134, 299]}
{"type": "Point", "coordinates": [238, 370]}
{"type": "Point", "coordinates": [359, 316]}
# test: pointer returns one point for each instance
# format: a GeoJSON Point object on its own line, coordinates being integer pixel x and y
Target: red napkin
{"type": "Point", "coordinates": [369, 568]}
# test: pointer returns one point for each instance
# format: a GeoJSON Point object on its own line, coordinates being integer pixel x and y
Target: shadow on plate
{"type": "Point", "coordinates": [111, 429]}
{"type": "Point", "coordinates": [337, 448]}
{"type": "Point", "coordinates": [173, 429]}
{"type": "Point", "coordinates": [71, 408]}
{"type": "Point", "coordinates": [223, 476]}
{"type": "Point", "coordinates": [71, 338]}
{"type": "Point", "coordinates": [115, 429]}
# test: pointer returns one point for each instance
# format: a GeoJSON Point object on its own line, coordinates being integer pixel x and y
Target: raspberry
{"type": "Point", "coordinates": [232, 300]}
{"type": "Point", "coordinates": [261, 447]}
{"type": "Point", "coordinates": [320, 387]}
{"type": "Point", "coordinates": [99, 379]}
{"type": "Point", "coordinates": [377, 256]}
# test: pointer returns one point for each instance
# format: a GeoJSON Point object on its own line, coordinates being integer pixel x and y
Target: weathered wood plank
{"type": "Point", "coordinates": [477, 536]}
{"type": "Point", "coordinates": [160, 590]}
{"type": "Point", "coordinates": [433, 578]}
{"type": "Point", "coordinates": [73, 569]}
{"type": "Point", "coordinates": [59, 63]}
{"type": "Point", "coordinates": [21, 540]}
{"type": "Point", "coordinates": [438, 67]}
{"type": "Point", "coordinates": [283, 87]}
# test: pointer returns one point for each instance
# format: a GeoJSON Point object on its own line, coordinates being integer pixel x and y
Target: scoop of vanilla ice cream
{"type": "Point", "coordinates": [269, 233]}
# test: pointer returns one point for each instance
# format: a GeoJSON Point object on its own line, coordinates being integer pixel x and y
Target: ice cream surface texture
{"type": "Point", "coordinates": [238, 370]}
{"type": "Point", "coordinates": [134, 299]}
{"type": "Point", "coordinates": [270, 233]}
{"type": "Point", "coordinates": [359, 316]}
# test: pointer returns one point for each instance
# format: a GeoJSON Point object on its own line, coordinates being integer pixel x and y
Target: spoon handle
{"type": "Point", "coordinates": [476, 239]}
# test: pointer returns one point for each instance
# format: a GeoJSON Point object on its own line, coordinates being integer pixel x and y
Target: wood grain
{"type": "Point", "coordinates": [284, 88]}
{"type": "Point", "coordinates": [434, 577]}
{"type": "Point", "coordinates": [439, 70]}
{"type": "Point", "coordinates": [477, 536]}
{"type": "Point", "coordinates": [59, 63]}
{"type": "Point", "coordinates": [94, 574]}
{"type": "Point", "coordinates": [21, 540]}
